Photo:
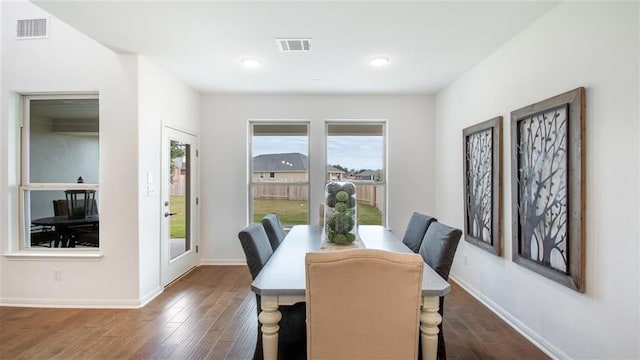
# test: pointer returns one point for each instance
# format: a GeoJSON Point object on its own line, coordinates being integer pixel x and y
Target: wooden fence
{"type": "Point", "coordinates": [366, 193]}
{"type": "Point", "coordinates": [178, 184]}
{"type": "Point", "coordinates": [370, 194]}
{"type": "Point", "coordinates": [288, 192]}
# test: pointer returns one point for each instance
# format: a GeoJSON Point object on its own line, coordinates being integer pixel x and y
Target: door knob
{"type": "Point", "coordinates": [167, 214]}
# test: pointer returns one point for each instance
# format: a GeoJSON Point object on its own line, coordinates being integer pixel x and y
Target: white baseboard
{"type": "Point", "coordinates": [82, 303]}
{"type": "Point", "coordinates": [150, 296]}
{"type": "Point", "coordinates": [535, 338]}
{"type": "Point", "coordinates": [223, 262]}
{"type": "Point", "coordinates": [72, 303]}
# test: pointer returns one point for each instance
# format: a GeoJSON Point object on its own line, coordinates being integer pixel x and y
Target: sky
{"type": "Point", "coordinates": [353, 152]}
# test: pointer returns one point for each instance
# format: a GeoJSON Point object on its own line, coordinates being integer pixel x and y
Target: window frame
{"type": "Point", "coordinates": [274, 181]}
{"type": "Point", "coordinates": [384, 181]}
{"type": "Point", "coordinates": [25, 184]}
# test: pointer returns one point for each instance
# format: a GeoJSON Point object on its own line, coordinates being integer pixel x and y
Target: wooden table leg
{"type": "Point", "coordinates": [269, 318]}
{"type": "Point", "coordinates": [429, 321]}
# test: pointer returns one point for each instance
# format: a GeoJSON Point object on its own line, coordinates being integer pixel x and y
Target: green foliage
{"type": "Point", "coordinates": [349, 188]}
{"type": "Point", "coordinates": [341, 223]}
{"type": "Point", "coordinates": [342, 196]}
{"type": "Point", "coordinates": [330, 201]}
{"type": "Point", "coordinates": [340, 239]}
{"type": "Point", "coordinates": [333, 188]}
{"type": "Point", "coordinates": [178, 149]}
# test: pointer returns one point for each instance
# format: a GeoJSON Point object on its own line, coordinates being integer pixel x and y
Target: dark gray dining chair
{"type": "Point", "coordinates": [292, 334]}
{"type": "Point", "coordinates": [417, 227]}
{"type": "Point", "coordinates": [275, 232]}
{"type": "Point", "coordinates": [438, 249]}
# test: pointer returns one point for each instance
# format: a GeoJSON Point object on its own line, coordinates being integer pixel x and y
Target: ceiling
{"type": "Point", "coordinates": [429, 43]}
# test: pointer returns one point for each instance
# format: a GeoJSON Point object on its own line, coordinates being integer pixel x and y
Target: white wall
{"type": "Point", "coordinates": [136, 98]}
{"type": "Point", "coordinates": [69, 61]}
{"type": "Point", "coordinates": [3, 147]}
{"type": "Point", "coordinates": [595, 45]}
{"type": "Point", "coordinates": [162, 100]}
{"type": "Point", "coordinates": [638, 201]}
{"type": "Point", "coordinates": [224, 157]}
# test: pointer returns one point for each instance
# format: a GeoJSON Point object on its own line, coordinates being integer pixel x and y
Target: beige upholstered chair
{"type": "Point", "coordinates": [363, 304]}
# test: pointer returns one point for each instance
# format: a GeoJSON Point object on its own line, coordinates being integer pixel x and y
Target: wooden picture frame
{"type": "Point", "coordinates": [547, 185]}
{"type": "Point", "coordinates": [482, 169]}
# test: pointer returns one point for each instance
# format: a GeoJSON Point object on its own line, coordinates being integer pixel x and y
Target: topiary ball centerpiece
{"type": "Point", "coordinates": [340, 214]}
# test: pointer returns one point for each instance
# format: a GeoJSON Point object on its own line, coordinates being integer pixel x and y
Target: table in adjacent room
{"type": "Point", "coordinates": [63, 226]}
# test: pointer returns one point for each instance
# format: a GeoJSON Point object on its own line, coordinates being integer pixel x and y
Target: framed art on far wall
{"type": "Point", "coordinates": [482, 159]}
{"type": "Point", "coordinates": [547, 185]}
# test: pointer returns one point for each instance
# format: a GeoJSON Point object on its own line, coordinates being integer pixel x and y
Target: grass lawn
{"type": "Point", "coordinates": [294, 212]}
{"type": "Point", "coordinates": [178, 220]}
{"type": "Point", "coordinates": [291, 212]}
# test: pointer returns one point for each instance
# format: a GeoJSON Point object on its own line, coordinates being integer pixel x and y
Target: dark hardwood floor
{"type": "Point", "coordinates": [210, 314]}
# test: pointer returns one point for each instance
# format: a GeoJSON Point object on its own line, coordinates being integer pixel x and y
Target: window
{"type": "Point", "coordinates": [281, 150]}
{"type": "Point", "coordinates": [356, 153]}
{"type": "Point", "coordinates": [60, 171]}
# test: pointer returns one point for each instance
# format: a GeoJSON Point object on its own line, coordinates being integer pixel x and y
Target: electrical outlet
{"type": "Point", "coordinates": [57, 275]}
{"type": "Point", "coordinates": [465, 260]}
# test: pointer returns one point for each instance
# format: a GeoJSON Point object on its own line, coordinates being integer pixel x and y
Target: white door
{"type": "Point", "coordinates": [179, 249]}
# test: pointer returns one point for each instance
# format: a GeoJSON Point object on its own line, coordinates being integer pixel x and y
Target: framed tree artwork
{"type": "Point", "coordinates": [547, 184]}
{"type": "Point", "coordinates": [482, 159]}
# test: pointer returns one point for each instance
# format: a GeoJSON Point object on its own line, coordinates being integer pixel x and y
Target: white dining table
{"type": "Point", "coordinates": [282, 282]}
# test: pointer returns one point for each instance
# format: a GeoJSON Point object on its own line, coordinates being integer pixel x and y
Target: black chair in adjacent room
{"type": "Point", "coordinates": [85, 235]}
{"type": "Point", "coordinates": [438, 249]}
{"type": "Point", "coordinates": [60, 207]}
{"type": "Point", "coordinates": [274, 230]}
{"type": "Point", "coordinates": [292, 336]}
{"type": "Point", "coordinates": [42, 236]}
{"type": "Point", "coordinates": [417, 227]}
{"type": "Point", "coordinates": [88, 238]}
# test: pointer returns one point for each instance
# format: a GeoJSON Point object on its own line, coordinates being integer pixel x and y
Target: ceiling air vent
{"type": "Point", "coordinates": [33, 29]}
{"type": "Point", "coordinates": [294, 45]}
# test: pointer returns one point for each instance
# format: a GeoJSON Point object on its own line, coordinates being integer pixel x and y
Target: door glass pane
{"type": "Point", "coordinates": [179, 200]}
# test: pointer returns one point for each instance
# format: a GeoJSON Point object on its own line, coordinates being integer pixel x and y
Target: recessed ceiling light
{"type": "Point", "coordinates": [379, 61]}
{"type": "Point", "coordinates": [251, 63]}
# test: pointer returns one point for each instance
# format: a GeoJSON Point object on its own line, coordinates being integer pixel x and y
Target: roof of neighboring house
{"type": "Point", "coordinates": [368, 173]}
{"type": "Point", "coordinates": [280, 162]}
{"type": "Point", "coordinates": [333, 169]}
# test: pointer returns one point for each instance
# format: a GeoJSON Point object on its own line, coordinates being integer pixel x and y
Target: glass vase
{"type": "Point", "coordinates": [340, 212]}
